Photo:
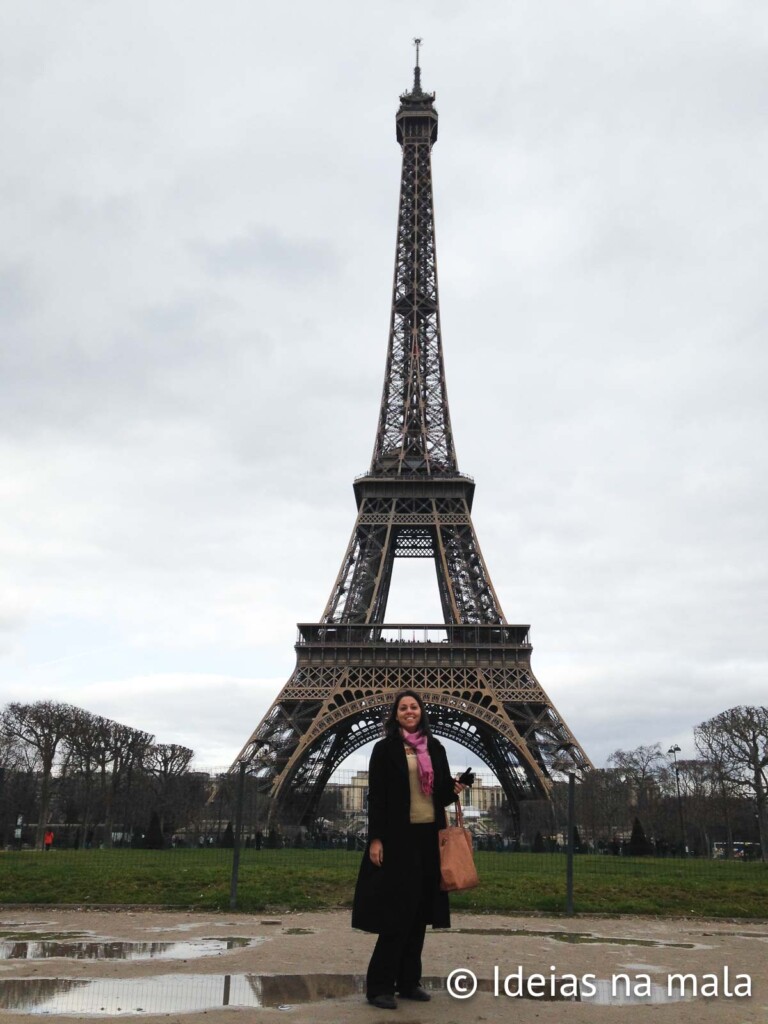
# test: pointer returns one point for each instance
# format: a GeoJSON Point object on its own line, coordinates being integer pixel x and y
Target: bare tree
{"type": "Point", "coordinates": [696, 794]}
{"type": "Point", "coordinates": [11, 753]}
{"type": "Point", "coordinates": [167, 764]}
{"type": "Point", "coordinates": [103, 769]}
{"type": "Point", "coordinates": [646, 773]}
{"type": "Point", "coordinates": [167, 760]}
{"type": "Point", "coordinates": [11, 761]}
{"type": "Point", "coordinates": [41, 726]}
{"type": "Point", "coordinates": [83, 746]}
{"type": "Point", "coordinates": [736, 741]}
{"type": "Point", "coordinates": [119, 752]}
{"type": "Point", "coordinates": [642, 767]}
{"type": "Point", "coordinates": [602, 805]}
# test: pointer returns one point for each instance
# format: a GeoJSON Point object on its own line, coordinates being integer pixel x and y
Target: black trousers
{"type": "Point", "coordinates": [396, 961]}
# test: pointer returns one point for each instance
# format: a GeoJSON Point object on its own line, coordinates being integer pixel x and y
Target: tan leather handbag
{"type": "Point", "coordinates": [457, 865]}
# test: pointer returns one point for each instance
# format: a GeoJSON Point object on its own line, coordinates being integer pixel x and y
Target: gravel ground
{"type": "Point", "coordinates": [319, 953]}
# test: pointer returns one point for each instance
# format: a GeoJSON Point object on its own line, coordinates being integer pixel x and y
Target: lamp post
{"type": "Point", "coordinates": [674, 751]}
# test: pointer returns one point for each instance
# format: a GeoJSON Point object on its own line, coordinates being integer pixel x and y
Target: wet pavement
{"type": "Point", "coordinates": [189, 968]}
{"type": "Point", "coordinates": [573, 937]}
{"type": "Point", "coordinates": [193, 992]}
{"type": "Point", "coordinates": [46, 948]}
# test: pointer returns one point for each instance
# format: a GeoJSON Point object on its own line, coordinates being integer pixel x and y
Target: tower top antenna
{"type": "Point", "coordinates": [417, 70]}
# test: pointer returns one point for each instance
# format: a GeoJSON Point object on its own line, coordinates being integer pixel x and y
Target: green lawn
{"type": "Point", "coordinates": [317, 880]}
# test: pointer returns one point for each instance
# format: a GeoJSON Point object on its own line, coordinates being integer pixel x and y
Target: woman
{"type": "Point", "coordinates": [398, 887]}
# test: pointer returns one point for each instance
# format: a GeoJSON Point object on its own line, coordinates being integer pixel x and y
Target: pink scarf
{"type": "Point", "coordinates": [418, 741]}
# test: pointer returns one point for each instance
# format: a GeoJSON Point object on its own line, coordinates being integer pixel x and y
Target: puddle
{"type": "Point", "coordinates": [45, 948]}
{"type": "Point", "coordinates": [573, 937]}
{"type": "Point", "coordinates": [8, 923]}
{"type": "Point", "coordinates": [299, 931]}
{"type": "Point", "coordinates": [644, 968]}
{"type": "Point", "coordinates": [186, 927]}
{"type": "Point", "coordinates": [180, 993]}
{"type": "Point", "coordinates": [604, 995]}
{"type": "Point", "coordinates": [176, 993]}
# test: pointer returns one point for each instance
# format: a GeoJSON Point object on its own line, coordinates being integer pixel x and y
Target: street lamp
{"type": "Point", "coordinates": [674, 751]}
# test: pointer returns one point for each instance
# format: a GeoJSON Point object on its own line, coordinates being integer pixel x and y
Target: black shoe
{"type": "Point", "coordinates": [418, 994]}
{"type": "Point", "coordinates": [384, 1002]}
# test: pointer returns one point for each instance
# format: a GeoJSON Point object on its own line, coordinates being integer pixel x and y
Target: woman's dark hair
{"type": "Point", "coordinates": [391, 726]}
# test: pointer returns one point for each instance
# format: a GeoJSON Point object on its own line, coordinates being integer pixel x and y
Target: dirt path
{"type": "Point", "coordinates": [305, 946]}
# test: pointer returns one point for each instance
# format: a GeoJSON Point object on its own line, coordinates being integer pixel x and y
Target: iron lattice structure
{"type": "Point", "coordinates": [474, 669]}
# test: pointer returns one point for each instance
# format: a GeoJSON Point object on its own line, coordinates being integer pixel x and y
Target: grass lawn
{"type": "Point", "coordinates": [317, 880]}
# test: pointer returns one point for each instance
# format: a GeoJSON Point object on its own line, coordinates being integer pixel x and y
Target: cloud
{"type": "Point", "coordinates": [198, 223]}
{"type": "Point", "coordinates": [263, 250]}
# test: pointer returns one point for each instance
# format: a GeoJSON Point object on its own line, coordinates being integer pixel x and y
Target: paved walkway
{"type": "Point", "coordinates": [306, 966]}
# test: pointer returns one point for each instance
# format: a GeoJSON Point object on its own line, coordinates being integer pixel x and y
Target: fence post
{"type": "Point", "coordinates": [569, 845]}
{"type": "Point", "coordinates": [242, 765]}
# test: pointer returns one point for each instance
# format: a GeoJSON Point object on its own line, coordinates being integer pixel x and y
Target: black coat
{"type": "Point", "coordinates": [382, 895]}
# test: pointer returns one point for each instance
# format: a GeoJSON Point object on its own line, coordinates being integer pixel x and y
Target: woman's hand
{"type": "Point", "coordinates": [458, 787]}
{"type": "Point", "coordinates": [376, 852]}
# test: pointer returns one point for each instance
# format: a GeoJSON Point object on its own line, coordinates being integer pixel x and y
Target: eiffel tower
{"type": "Point", "coordinates": [473, 670]}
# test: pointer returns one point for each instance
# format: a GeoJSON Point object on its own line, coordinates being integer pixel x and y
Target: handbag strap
{"type": "Point", "coordinates": [459, 815]}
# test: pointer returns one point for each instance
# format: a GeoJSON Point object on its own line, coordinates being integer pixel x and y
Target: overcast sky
{"type": "Point", "coordinates": [197, 209]}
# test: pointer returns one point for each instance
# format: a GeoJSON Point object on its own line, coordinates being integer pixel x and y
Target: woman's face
{"type": "Point", "coordinates": [408, 714]}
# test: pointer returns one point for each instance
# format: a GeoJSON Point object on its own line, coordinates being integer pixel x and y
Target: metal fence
{"type": "Point", "coordinates": [207, 809]}
{"type": "Point", "coordinates": [223, 835]}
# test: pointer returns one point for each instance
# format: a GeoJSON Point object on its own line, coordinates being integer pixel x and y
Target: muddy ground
{"type": "Point", "coordinates": [305, 965]}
